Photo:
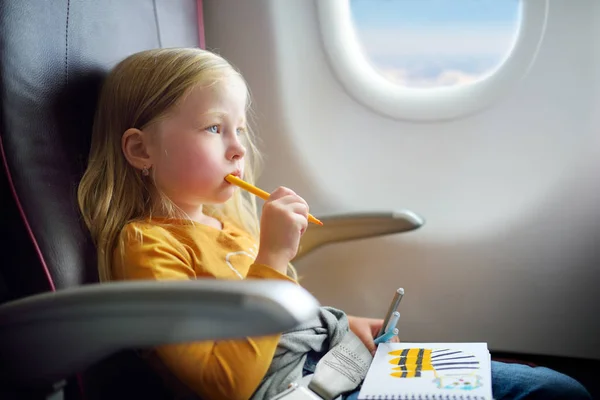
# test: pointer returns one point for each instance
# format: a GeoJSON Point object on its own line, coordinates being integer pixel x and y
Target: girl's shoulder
{"type": "Point", "coordinates": [147, 249]}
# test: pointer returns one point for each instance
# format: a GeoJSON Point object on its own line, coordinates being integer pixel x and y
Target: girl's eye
{"type": "Point", "coordinates": [213, 129]}
{"type": "Point", "coordinates": [240, 131]}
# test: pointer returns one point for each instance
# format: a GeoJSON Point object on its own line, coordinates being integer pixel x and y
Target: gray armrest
{"type": "Point", "coordinates": [47, 337]}
{"type": "Point", "coordinates": [343, 227]}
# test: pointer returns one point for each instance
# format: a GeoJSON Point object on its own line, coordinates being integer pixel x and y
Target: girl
{"type": "Point", "coordinates": [170, 125]}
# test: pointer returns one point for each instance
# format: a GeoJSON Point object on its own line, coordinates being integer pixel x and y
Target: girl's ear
{"type": "Point", "coordinates": [134, 144]}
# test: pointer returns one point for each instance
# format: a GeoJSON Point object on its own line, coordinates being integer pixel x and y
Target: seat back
{"type": "Point", "coordinates": [53, 57]}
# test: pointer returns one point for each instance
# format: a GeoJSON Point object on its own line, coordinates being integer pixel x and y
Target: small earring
{"type": "Point", "coordinates": [145, 171]}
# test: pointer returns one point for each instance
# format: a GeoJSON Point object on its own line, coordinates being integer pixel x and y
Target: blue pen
{"type": "Point", "coordinates": [393, 322]}
{"type": "Point", "coordinates": [386, 336]}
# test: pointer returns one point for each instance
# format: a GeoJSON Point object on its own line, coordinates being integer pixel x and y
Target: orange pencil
{"type": "Point", "coordinates": [234, 180]}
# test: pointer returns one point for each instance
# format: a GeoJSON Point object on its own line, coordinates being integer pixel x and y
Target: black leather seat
{"type": "Point", "coordinates": [54, 55]}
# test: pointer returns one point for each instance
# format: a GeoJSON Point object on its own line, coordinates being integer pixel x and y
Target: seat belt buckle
{"type": "Point", "coordinates": [297, 392]}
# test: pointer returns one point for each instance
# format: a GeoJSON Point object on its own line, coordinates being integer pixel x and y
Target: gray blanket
{"type": "Point", "coordinates": [319, 334]}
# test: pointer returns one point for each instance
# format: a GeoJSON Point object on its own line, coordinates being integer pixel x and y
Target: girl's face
{"type": "Point", "coordinates": [199, 143]}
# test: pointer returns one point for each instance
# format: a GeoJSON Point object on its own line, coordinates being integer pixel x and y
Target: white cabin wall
{"type": "Point", "coordinates": [510, 253]}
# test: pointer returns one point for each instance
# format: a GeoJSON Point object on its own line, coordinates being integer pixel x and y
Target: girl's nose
{"type": "Point", "coordinates": [235, 149]}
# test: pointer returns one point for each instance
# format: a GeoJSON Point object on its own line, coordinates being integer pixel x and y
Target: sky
{"type": "Point", "coordinates": [428, 43]}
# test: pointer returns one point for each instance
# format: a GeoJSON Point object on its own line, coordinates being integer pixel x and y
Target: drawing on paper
{"type": "Point", "coordinates": [452, 369]}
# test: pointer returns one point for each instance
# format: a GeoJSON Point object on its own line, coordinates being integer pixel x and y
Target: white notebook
{"type": "Point", "coordinates": [429, 371]}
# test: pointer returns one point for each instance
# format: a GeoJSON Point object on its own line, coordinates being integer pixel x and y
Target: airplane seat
{"type": "Point", "coordinates": [62, 333]}
{"type": "Point", "coordinates": [53, 58]}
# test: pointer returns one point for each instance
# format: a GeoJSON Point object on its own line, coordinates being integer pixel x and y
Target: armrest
{"type": "Point", "coordinates": [47, 337]}
{"type": "Point", "coordinates": [344, 227]}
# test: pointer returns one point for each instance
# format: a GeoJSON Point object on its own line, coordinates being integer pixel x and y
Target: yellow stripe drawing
{"type": "Point", "coordinates": [452, 369]}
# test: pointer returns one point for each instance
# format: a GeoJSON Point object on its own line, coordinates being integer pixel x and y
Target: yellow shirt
{"type": "Point", "coordinates": [177, 249]}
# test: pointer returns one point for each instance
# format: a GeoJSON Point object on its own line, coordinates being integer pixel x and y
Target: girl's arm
{"type": "Point", "coordinates": [228, 369]}
{"type": "Point", "coordinates": [220, 369]}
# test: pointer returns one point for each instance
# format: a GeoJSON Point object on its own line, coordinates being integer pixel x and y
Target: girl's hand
{"type": "Point", "coordinates": [283, 222]}
{"type": "Point", "coordinates": [367, 329]}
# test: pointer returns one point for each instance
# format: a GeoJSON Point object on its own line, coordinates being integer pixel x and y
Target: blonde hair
{"type": "Point", "coordinates": [139, 91]}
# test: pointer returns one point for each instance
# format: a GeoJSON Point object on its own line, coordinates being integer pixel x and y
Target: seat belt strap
{"type": "Point", "coordinates": [342, 368]}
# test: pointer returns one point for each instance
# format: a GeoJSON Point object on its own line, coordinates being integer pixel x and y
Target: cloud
{"type": "Point", "coordinates": [439, 41]}
{"type": "Point", "coordinates": [447, 77]}
{"type": "Point", "coordinates": [440, 56]}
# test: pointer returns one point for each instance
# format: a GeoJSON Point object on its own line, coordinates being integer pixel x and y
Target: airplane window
{"type": "Point", "coordinates": [435, 43]}
{"type": "Point", "coordinates": [431, 60]}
